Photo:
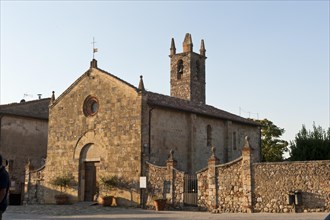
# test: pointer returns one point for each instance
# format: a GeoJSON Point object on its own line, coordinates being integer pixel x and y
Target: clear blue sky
{"type": "Point", "coordinates": [265, 57]}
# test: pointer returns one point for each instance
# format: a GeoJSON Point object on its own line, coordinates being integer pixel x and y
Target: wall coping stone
{"type": "Point", "coordinates": [291, 162]}
{"type": "Point", "coordinates": [37, 170]}
{"type": "Point", "coordinates": [202, 170]}
{"type": "Point", "coordinates": [230, 163]}
{"type": "Point", "coordinates": [221, 165]}
{"type": "Point", "coordinates": [164, 167]}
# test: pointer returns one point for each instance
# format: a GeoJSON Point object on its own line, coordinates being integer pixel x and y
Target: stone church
{"type": "Point", "coordinates": [102, 125]}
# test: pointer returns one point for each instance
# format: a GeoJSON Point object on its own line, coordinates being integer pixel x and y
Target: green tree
{"type": "Point", "coordinates": [272, 147]}
{"type": "Point", "coordinates": [311, 145]}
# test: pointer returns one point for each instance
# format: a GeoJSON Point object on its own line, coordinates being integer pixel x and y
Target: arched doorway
{"type": "Point", "coordinates": [89, 161]}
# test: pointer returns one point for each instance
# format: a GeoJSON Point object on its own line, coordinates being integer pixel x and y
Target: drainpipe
{"type": "Point", "coordinates": [149, 132]}
{"type": "Point", "coordinates": [143, 151]}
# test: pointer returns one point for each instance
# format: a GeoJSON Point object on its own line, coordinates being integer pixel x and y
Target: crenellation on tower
{"type": "Point", "coordinates": [202, 50]}
{"type": "Point", "coordinates": [187, 43]}
{"type": "Point", "coordinates": [172, 49]}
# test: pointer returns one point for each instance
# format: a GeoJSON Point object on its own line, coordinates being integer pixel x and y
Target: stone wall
{"type": "Point", "coordinates": [33, 193]}
{"type": "Point", "coordinates": [243, 186]}
{"type": "Point", "coordinates": [178, 180]}
{"type": "Point", "coordinates": [230, 186]}
{"type": "Point", "coordinates": [168, 130]}
{"type": "Point", "coordinates": [110, 138]}
{"type": "Point", "coordinates": [236, 134]}
{"type": "Point", "coordinates": [237, 186]}
{"type": "Point", "coordinates": [186, 134]}
{"type": "Point", "coordinates": [273, 182]}
{"type": "Point", "coordinates": [156, 176]}
{"type": "Point", "coordinates": [165, 182]}
{"type": "Point", "coordinates": [226, 187]}
{"type": "Point", "coordinates": [27, 136]}
{"type": "Point", "coordinates": [203, 189]}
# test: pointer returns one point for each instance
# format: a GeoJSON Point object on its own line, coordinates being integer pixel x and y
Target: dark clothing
{"type": "Point", "coordinates": [4, 184]}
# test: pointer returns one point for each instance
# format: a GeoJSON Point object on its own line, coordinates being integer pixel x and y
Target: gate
{"type": "Point", "coordinates": [190, 190]}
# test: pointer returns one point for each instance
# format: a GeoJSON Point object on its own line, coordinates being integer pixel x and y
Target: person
{"type": "Point", "coordinates": [4, 188]}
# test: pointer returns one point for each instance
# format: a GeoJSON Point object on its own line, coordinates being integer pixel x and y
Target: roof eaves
{"type": "Point", "coordinates": [121, 80]}
{"type": "Point", "coordinates": [24, 115]}
{"type": "Point", "coordinates": [201, 111]}
{"type": "Point", "coordinates": [82, 76]}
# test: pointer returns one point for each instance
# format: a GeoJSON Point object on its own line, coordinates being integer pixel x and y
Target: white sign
{"type": "Point", "coordinates": [143, 182]}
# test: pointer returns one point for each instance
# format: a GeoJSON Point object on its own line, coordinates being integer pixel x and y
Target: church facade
{"type": "Point", "coordinates": [103, 126]}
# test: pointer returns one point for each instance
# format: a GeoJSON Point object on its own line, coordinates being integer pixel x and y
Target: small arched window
{"type": "Point", "coordinates": [234, 141]}
{"type": "Point", "coordinates": [198, 67]}
{"type": "Point", "coordinates": [179, 69]}
{"type": "Point", "coordinates": [208, 135]}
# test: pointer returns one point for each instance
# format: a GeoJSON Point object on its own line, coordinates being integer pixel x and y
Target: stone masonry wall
{"type": "Point", "coordinates": [244, 186]}
{"type": "Point", "coordinates": [27, 136]}
{"type": "Point", "coordinates": [156, 175]}
{"type": "Point", "coordinates": [203, 186]}
{"type": "Point", "coordinates": [111, 138]}
{"type": "Point", "coordinates": [228, 195]}
{"type": "Point", "coordinates": [178, 188]}
{"type": "Point", "coordinates": [226, 187]}
{"type": "Point", "coordinates": [189, 85]}
{"type": "Point", "coordinates": [165, 182]}
{"type": "Point", "coordinates": [273, 181]}
{"type": "Point", "coordinates": [186, 134]}
{"type": "Point", "coordinates": [33, 194]}
{"type": "Point", "coordinates": [230, 186]}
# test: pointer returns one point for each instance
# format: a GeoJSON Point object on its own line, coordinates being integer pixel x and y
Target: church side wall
{"type": "Point", "coordinates": [202, 151]}
{"type": "Point", "coordinates": [236, 134]}
{"type": "Point", "coordinates": [113, 136]}
{"type": "Point", "coordinates": [27, 136]}
{"type": "Point", "coordinates": [186, 134]}
{"type": "Point", "coordinates": [169, 131]}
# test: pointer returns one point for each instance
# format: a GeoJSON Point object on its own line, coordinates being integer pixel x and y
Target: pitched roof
{"type": "Point", "coordinates": [168, 101]}
{"type": "Point", "coordinates": [32, 109]}
{"type": "Point", "coordinates": [87, 74]}
{"type": "Point", "coordinates": [185, 105]}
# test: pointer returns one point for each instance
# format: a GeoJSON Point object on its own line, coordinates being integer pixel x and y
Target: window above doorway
{"type": "Point", "coordinates": [91, 106]}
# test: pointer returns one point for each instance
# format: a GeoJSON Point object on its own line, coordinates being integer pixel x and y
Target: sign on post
{"type": "Point", "coordinates": [143, 182]}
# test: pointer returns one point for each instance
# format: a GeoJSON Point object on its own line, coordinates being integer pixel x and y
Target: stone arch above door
{"type": "Point", "coordinates": [90, 140]}
{"type": "Point", "coordinates": [89, 153]}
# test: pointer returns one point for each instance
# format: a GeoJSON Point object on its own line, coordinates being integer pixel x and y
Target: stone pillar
{"type": "Point", "coordinates": [170, 177]}
{"type": "Point", "coordinates": [212, 180]}
{"type": "Point", "coordinates": [246, 176]}
{"type": "Point", "coordinates": [27, 180]}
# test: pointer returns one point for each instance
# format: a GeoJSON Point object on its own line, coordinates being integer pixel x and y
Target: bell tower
{"type": "Point", "coordinates": [188, 71]}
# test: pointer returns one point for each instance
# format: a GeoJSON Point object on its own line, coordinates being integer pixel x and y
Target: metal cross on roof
{"type": "Point", "coordinates": [94, 49]}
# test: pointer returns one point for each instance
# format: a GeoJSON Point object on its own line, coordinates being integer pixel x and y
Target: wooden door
{"type": "Point", "coordinates": [90, 181]}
